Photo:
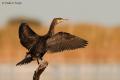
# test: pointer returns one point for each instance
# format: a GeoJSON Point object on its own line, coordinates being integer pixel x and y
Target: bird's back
{"type": "Point", "coordinates": [39, 48]}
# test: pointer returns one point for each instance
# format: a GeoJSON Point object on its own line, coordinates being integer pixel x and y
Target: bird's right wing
{"type": "Point", "coordinates": [65, 41]}
{"type": "Point", "coordinates": [27, 36]}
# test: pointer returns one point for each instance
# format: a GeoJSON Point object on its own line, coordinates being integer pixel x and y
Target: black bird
{"type": "Point", "coordinates": [38, 45]}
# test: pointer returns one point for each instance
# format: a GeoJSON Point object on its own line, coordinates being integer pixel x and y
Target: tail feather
{"type": "Point", "coordinates": [26, 60]}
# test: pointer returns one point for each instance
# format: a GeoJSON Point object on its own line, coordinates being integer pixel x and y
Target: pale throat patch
{"type": "Point", "coordinates": [59, 21]}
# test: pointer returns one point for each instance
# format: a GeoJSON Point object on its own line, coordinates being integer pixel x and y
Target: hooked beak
{"type": "Point", "coordinates": [62, 21]}
{"type": "Point", "coordinates": [65, 19]}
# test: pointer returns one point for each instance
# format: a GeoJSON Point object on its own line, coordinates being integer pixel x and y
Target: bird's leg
{"type": "Point", "coordinates": [41, 58]}
{"type": "Point", "coordinates": [38, 61]}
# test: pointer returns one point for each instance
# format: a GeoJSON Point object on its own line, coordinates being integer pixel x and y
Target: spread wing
{"type": "Point", "coordinates": [64, 41]}
{"type": "Point", "coordinates": [27, 37]}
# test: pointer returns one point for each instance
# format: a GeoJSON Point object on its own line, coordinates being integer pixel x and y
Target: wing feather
{"type": "Point", "coordinates": [27, 36]}
{"type": "Point", "coordinates": [65, 41]}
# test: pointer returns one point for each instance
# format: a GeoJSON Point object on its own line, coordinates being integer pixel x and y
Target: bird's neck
{"type": "Point", "coordinates": [51, 29]}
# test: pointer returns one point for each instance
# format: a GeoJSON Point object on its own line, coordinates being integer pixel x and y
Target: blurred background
{"type": "Point", "coordinates": [96, 21]}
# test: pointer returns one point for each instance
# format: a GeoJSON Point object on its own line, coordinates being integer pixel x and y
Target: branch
{"type": "Point", "coordinates": [39, 70]}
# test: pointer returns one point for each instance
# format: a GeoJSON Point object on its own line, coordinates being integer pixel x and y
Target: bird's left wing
{"type": "Point", "coordinates": [65, 41]}
{"type": "Point", "coordinates": [27, 36]}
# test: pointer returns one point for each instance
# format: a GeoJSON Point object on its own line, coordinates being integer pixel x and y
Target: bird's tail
{"type": "Point", "coordinates": [26, 60]}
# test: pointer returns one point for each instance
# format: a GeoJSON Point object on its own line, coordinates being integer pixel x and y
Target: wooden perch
{"type": "Point", "coordinates": [39, 70]}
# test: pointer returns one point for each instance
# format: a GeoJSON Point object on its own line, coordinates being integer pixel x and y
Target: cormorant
{"type": "Point", "coordinates": [38, 45]}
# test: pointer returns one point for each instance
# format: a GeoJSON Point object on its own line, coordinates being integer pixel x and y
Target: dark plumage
{"type": "Point", "coordinates": [38, 45]}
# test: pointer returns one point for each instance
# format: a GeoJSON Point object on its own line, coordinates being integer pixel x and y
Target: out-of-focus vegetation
{"type": "Point", "coordinates": [103, 47]}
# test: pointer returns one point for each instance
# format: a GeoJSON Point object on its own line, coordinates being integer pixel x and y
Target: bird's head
{"type": "Point", "coordinates": [58, 20]}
